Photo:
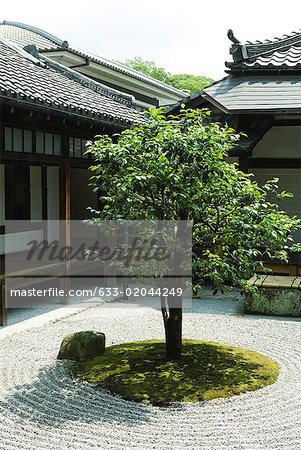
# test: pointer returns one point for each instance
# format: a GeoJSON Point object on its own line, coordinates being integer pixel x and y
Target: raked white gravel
{"type": "Point", "coordinates": [42, 407]}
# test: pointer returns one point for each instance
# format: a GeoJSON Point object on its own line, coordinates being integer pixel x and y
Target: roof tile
{"type": "Point", "coordinates": [280, 53]}
{"type": "Point", "coordinates": [254, 93]}
{"type": "Point", "coordinates": [24, 35]}
{"type": "Point", "coordinates": [60, 88]}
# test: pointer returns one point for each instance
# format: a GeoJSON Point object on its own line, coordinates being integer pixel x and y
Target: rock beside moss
{"type": "Point", "coordinates": [82, 346]}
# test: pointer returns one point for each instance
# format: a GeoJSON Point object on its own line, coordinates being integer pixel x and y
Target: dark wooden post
{"type": "Point", "coordinates": [65, 232]}
{"type": "Point", "coordinates": [2, 257]}
{"type": "Point", "coordinates": [3, 311]}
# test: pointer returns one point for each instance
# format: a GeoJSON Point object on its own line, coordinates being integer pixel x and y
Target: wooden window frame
{"type": "Point", "coordinates": [71, 144]}
{"type": "Point", "coordinates": [33, 141]}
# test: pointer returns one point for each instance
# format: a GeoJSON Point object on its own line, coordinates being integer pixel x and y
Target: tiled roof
{"type": "Point", "coordinates": [42, 82]}
{"type": "Point", "coordinates": [256, 93]}
{"type": "Point", "coordinates": [264, 77]}
{"type": "Point", "coordinates": [282, 53]}
{"type": "Point", "coordinates": [290, 58]}
{"type": "Point", "coordinates": [126, 71]}
{"type": "Point", "coordinates": [23, 35]}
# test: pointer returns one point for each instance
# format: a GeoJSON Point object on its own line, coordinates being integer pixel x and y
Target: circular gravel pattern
{"type": "Point", "coordinates": [41, 407]}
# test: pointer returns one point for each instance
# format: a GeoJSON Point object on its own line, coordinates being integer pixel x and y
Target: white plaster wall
{"type": "Point", "coordinates": [18, 242]}
{"type": "Point", "coordinates": [289, 180]}
{"type": "Point", "coordinates": [279, 142]}
{"type": "Point", "coordinates": [82, 195]}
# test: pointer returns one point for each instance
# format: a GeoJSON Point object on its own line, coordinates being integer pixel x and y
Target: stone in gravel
{"type": "Point", "coordinates": [82, 345]}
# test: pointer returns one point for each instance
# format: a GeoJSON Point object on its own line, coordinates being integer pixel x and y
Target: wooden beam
{"type": "Point", "coordinates": [30, 158]}
{"type": "Point", "coordinates": [288, 269]}
{"type": "Point", "coordinates": [282, 163]}
{"type": "Point", "coordinates": [36, 159]}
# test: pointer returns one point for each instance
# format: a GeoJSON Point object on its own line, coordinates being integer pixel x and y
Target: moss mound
{"type": "Point", "coordinates": [272, 301]}
{"type": "Point", "coordinates": [139, 371]}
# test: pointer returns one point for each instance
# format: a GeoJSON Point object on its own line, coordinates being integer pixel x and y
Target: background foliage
{"type": "Point", "coordinates": [185, 82]}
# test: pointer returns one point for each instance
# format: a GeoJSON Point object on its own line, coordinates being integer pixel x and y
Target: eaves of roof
{"type": "Point", "coordinates": [115, 95]}
{"type": "Point", "coordinates": [120, 68]}
{"type": "Point", "coordinates": [256, 94]}
{"type": "Point", "coordinates": [197, 100]}
{"type": "Point", "coordinates": [249, 94]}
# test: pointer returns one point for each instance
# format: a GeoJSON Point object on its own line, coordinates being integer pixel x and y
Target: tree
{"type": "Point", "coordinates": [184, 82]}
{"type": "Point", "coordinates": [189, 83]}
{"type": "Point", "coordinates": [175, 169]}
{"type": "Point", "coordinates": [148, 68]}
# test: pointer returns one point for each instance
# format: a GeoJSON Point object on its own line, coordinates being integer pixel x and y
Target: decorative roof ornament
{"type": "Point", "coordinates": [237, 50]}
{"type": "Point", "coordinates": [232, 38]}
{"type": "Point", "coordinates": [281, 53]}
{"type": "Point", "coordinates": [32, 50]}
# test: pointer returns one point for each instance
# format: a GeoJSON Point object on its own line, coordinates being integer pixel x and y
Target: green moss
{"type": "Point", "coordinates": [273, 301]}
{"type": "Point", "coordinates": [139, 371]}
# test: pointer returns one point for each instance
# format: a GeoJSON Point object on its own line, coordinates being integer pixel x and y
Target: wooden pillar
{"type": "Point", "coordinates": [65, 235]}
{"type": "Point", "coordinates": [3, 310]}
{"type": "Point", "coordinates": [243, 164]}
{"type": "Point", "coordinates": [2, 257]}
{"type": "Point", "coordinates": [236, 123]}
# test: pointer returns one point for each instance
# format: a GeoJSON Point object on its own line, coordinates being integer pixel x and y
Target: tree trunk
{"type": "Point", "coordinates": [173, 329]}
{"type": "Point", "coordinates": [173, 311]}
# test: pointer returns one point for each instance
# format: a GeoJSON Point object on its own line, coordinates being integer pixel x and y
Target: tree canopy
{"type": "Point", "coordinates": [189, 83]}
{"type": "Point", "coordinates": [175, 168]}
{"type": "Point", "coordinates": [148, 68]}
{"type": "Point", "coordinates": [185, 82]}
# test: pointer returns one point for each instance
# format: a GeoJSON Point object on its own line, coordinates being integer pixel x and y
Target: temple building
{"type": "Point", "coordinates": [261, 96]}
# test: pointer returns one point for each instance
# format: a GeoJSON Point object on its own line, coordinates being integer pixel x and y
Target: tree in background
{"type": "Point", "coordinates": [189, 83]}
{"type": "Point", "coordinates": [174, 168]}
{"type": "Point", "coordinates": [148, 68]}
{"type": "Point", "coordinates": [184, 82]}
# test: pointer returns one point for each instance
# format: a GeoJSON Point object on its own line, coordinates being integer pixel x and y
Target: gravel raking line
{"type": "Point", "coordinates": [42, 407]}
